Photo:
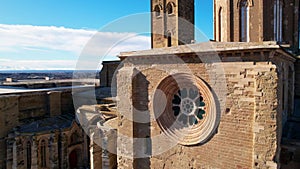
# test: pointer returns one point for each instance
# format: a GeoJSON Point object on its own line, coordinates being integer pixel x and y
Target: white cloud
{"type": "Point", "coordinates": [38, 39]}
{"type": "Point", "coordinates": [6, 64]}
{"type": "Point", "coordinates": [14, 37]}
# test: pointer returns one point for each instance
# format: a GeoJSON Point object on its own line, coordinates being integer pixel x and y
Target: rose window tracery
{"type": "Point", "coordinates": [188, 106]}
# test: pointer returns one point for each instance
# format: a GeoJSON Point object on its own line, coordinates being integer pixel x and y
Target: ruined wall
{"type": "Point", "coordinates": [250, 127]}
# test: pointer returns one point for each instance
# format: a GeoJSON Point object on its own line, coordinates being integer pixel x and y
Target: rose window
{"type": "Point", "coordinates": [188, 106]}
{"type": "Point", "coordinates": [185, 109]}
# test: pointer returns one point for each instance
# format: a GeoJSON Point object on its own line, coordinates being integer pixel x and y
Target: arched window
{"type": "Point", "coordinates": [220, 24]}
{"type": "Point", "coordinates": [28, 154]}
{"type": "Point", "coordinates": [75, 138]}
{"type": "Point", "coordinates": [157, 11]}
{"type": "Point", "coordinates": [170, 8]}
{"type": "Point", "coordinates": [169, 39]}
{"type": "Point", "coordinates": [278, 4]}
{"type": "Point", "coordinates": [43, 154]}
{"type": "Point", "coordinates": [244, 21]}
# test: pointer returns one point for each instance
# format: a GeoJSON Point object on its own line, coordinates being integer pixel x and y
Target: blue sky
{"type": "Point", "coordinates": [51, 34]}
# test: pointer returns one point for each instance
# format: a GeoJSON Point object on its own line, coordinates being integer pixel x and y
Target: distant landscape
{"type": "Point", "coordinates": [51, 74]}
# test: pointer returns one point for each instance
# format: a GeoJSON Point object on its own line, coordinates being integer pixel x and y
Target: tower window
{"type": "Point", "coordinates": [170, 8]}
{"type": "Point", "coordinates": [220, 24]}
{"type": "Point", "coordinates": [28, 153]}
{"type": "Point", "coordinates": [157, 11]}
{"type": "Point", "coordinates": [278, 20]}
{"type": "Point", "coordinates": [244, 21]}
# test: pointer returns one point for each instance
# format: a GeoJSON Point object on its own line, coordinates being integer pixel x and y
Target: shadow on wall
{"type": "Point", "coordinates": [141, 130]}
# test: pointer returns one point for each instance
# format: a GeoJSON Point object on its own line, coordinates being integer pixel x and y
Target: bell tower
{"type": "Point", "coordinates": [172, 22]}
{"type": "Point", "coordinates": [257, 20]}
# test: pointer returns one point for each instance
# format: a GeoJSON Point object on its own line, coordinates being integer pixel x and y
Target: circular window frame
{"type": "Point", "coordinates": [166, 119]}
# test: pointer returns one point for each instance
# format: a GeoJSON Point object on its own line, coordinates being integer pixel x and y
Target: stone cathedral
{"type": "Point", "coordinates": [231, 103]}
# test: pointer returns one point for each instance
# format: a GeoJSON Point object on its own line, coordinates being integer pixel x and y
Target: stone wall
{"type": "Point", "coordinates": [9, 113]}
{"type": "Point", "coordinates": [232, 146]}
{"type": "Point", "coordinates": [23, 108]}
{"type": "Point", "coordinates": [107, 73]}
{"type": "Point", "coordinates": [32, 105]}
{"type": "Point", "coordinates": [249, 130]}
{"type": "Point", "coordinates": [67, 105]}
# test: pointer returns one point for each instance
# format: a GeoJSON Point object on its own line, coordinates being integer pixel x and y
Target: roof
{"type": "Point", "coordinates": [7, 90]}
{"type": "Point", "coordinates": [205, 47]}
{"type": "Point", "coordinates": [48, 124]}
{"type": "Point", "coordinates": [111, 62]}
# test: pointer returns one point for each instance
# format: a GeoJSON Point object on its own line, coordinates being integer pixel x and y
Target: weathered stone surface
{"type": "Point", "coordinates": [55, 103]}
{"type": "Point", "coordinates": [17, 128]}
{"type": "Point", "coordinates": [249, 131]}
{"type": "Point", "coordinates": [172, 22]}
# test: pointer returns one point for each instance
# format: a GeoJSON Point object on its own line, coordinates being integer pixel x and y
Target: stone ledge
{"type": "Point", "coordinates": [203, 47]}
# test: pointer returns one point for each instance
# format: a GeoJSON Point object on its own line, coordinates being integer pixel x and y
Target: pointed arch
{"type": "Point", "coordinates": [170, 7]}
{"type": "Point", "coordinates": [157, 10]}
{"type": "Point", "coordinates": [75, 138]}
{"type": "Point", "coordinates": [249, 3]}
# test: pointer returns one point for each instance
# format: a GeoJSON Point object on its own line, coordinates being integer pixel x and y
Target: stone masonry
{"type": "Point", "coordinates": [249, 130]}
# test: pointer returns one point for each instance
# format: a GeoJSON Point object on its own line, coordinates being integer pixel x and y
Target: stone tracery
{"type": "Point", "coordinates": [190, 116]}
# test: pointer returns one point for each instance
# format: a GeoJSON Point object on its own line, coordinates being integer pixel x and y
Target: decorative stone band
{"type": "Point", "coordinates": [189, 115]}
